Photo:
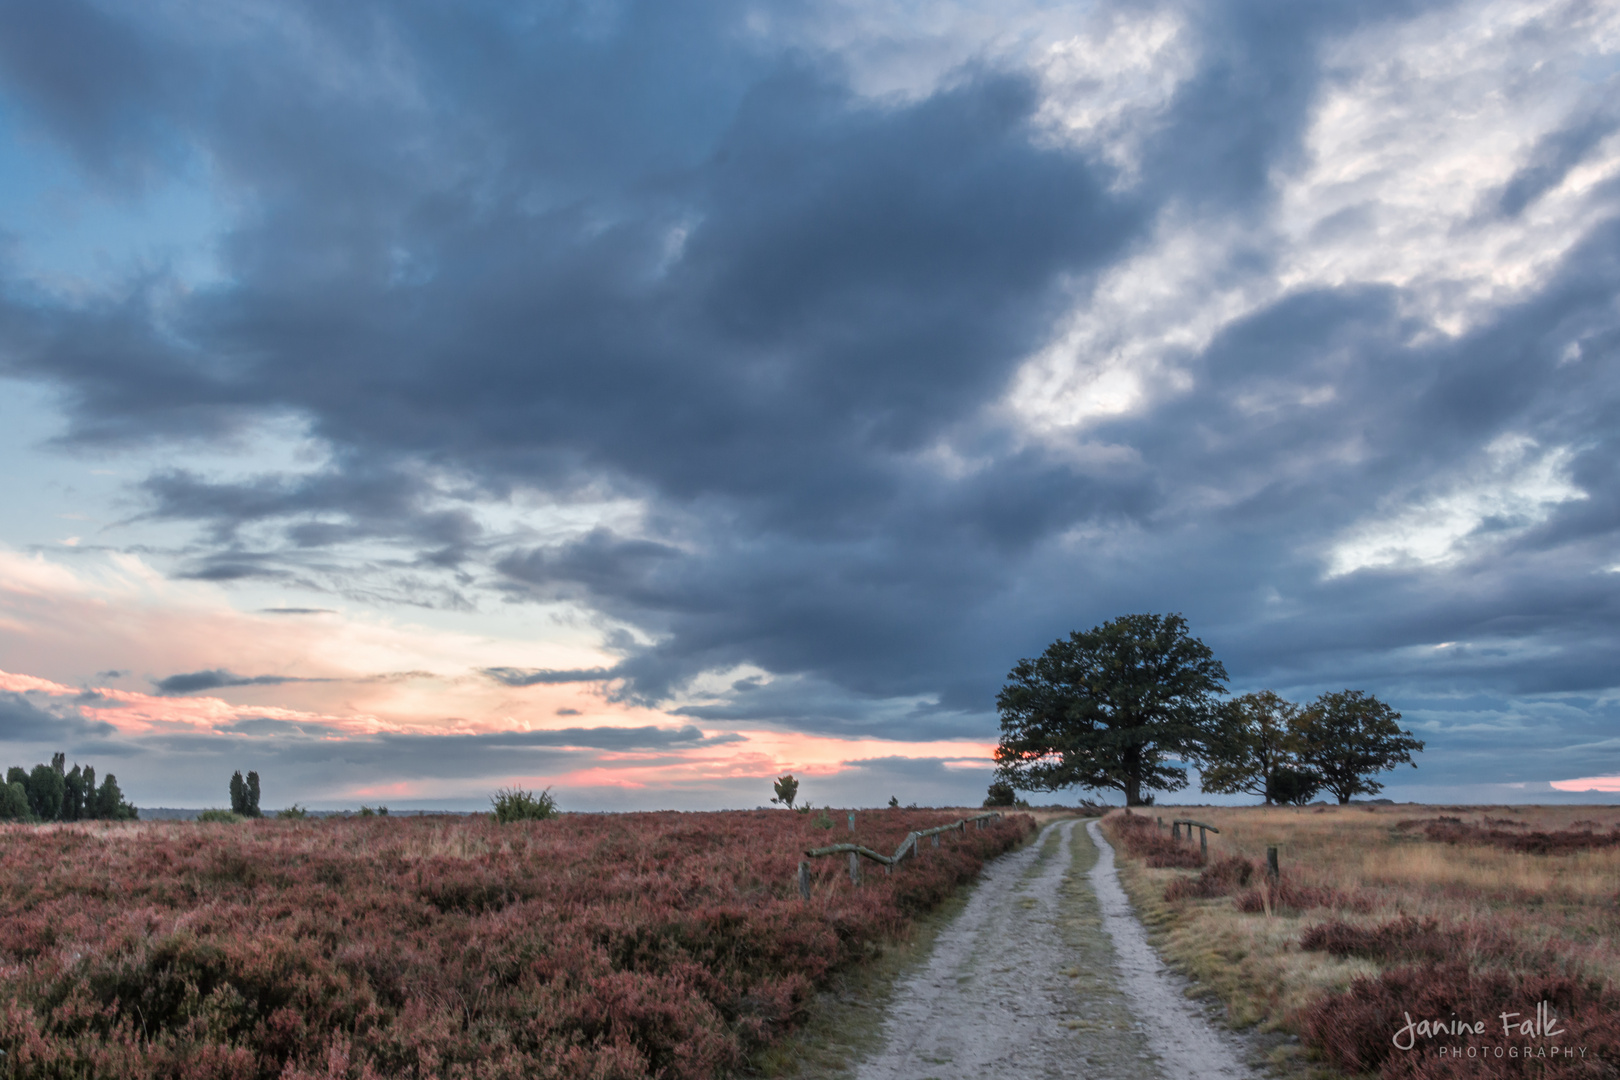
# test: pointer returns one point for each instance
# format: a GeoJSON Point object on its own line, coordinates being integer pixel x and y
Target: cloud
{"type": "Point", "coordinates": [810, 383]}
{"type": "Point", "coordinates": [508, 676]}
{"type": "Point", "coordinates": [218, 679]}
{"type": "Point", "coordinates": [21, 721]}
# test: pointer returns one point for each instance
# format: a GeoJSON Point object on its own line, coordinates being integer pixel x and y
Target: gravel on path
{"type": "Point", "coordinates": [1038, 977]}
{"type": "Point", "coordinates": [1183, 1040]}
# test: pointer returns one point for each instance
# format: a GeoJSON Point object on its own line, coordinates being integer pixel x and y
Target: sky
{"type": "Point", "coordinates": [409, 400]}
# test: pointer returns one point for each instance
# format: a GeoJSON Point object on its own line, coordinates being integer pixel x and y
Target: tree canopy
{"type": "Point", "coordinates": [1109, 708]}
{"type": "Point", "coordinates": [1347, 737]}
{"type": "Point", "coordinates": [55, 793]}
{"type": "Point", "coordinates": [1253, 751]}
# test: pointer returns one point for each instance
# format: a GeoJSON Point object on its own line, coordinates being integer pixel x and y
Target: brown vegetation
{"type": "Point", "coordinates": [1453, 915]}
{"type": "Point", "coordinates": [630, 945]}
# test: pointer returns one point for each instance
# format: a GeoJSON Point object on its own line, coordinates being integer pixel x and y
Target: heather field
{"type": "Point", "coordinates": [625, 945]}
{"type": "Point", "coordinates": [1390, 914]}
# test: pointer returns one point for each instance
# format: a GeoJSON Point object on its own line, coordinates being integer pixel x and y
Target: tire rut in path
{"type": "Point", "coordinates": [1023, 983]}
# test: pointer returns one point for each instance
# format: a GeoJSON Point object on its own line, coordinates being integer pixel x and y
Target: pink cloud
{"type": "Point", "coordinates": [1589, 783]}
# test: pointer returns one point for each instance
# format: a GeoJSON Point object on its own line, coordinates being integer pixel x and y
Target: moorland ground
{"type": "Point", "coordinates": [1384, 913]}
{"type": "Point", "coordinates": [619, 945]}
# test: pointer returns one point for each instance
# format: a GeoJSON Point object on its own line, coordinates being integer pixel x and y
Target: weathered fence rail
{"type": "Point", "coordinates": [908, 846]}
{"type": "Point", "coordinates": [1203, 840]}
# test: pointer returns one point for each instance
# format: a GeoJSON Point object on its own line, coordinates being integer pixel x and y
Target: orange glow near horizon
{"type": "Point", "coordinates": [743, 753]}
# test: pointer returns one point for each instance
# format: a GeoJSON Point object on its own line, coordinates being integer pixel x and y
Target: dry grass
{"type": "Point", "coordinates": [1554, 908]}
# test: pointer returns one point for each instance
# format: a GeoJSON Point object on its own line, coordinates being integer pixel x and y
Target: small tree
{"type": "Point", "coordinates": [1108, 707]}
{"type": "Point", "coordinates": [787, 789]}
{"type": "Point", "coordinates": [1292, 787]}
{"type": "Point", "coordinates": [73, 798]}
{"type": "Point", "coordinates": [239, 795]}
{"type": "Point", "coordinates": [1347, 737]}
{"type": "Point", "coordinates": [46, 788]}
{"type": "Point", "coordinates": [110, 802]}
{"type": "Point", "coordinates": [1254, 741]}
{"type": "Point", "coordinates": [13, 802]}
{"type": "Point", "coordinates": [1001, 793]}
{"type": "Point", "coordinates": [253, 795]}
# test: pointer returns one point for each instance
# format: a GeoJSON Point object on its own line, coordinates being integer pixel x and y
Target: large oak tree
{"type": "Point", "coordinates": [1110, 707]}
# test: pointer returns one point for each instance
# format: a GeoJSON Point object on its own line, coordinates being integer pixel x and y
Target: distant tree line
{"type": "Point", "coordinates": [56, 793]}
{"type": "Point", "coordinates": [1124, 705]}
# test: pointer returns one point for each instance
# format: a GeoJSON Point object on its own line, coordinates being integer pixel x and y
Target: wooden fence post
{"type": "Point", "coordinates": [936, 839]}
{"type": "Point", "coordinates": [1271, 864]}
{"type": "Point", "coordinates": [852, 823]}
{"type": "Point", "coordinates": [1175, 832]}
{"type": "Point", "coordinates": [1203, 843]}
{"type": "Point", "coordinates": [854, 868]}
{"type": "Point", "coordinates": [804, 879]}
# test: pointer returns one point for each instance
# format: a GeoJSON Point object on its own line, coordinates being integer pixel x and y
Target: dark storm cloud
{"type": "Point", "coordinates": [629, 254]}
{"type": "Point", "coordinates": [219, 679]}
{"type": "Point", "coordinates": [23, 721]}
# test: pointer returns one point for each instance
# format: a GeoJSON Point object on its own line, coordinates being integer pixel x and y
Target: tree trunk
{"type": "Point", "coordinates": [1133, 791]}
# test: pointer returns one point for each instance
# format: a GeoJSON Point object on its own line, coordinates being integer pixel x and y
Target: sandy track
{"type": "Point", "coordinates": [1047, 974]}
{"type": "Point", "coordinates": [1183, 1040]}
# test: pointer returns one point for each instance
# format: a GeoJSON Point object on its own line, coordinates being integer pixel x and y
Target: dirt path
{"type": "Point", "coordinates": [1046, 973]}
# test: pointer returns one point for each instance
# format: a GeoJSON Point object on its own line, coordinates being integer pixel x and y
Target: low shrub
{"type": "Point", "coordinates": [515, 804]}
{"type": "Point", "coordinates": [220, 817]}
{"type": "Point", "coordinates": [1290, 893]}
{"type": "Point", "coordinates": [1405, 939]}
{"type": "Point", "coordinates": [1361, 1029]}
{"type": "Point", "coordinates": [1222, 878]}
{"type": "Point", "coordinates": [1450, 830]}
{"type": "Point", "coordinates": [1143, 838]}
{"type": "Point", "coordinates": [1408, 940]}
{"type": "Point", "coordinates": [615, 945]}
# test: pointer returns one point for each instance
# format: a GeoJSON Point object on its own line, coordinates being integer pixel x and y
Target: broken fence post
{"type": "Point", "coordinates": [804, 879]}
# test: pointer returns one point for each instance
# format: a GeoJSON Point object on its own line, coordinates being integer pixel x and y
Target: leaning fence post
{"type": "Point", "coordinates": [854, 868]}
{"type": "Point", "coordinates": [1271, 863]}
{"type": "Point", "coordinates": [804, 879]}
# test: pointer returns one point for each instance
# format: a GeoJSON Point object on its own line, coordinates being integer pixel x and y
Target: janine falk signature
{"type": "Point", "coordinates": [1541, 1025]}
